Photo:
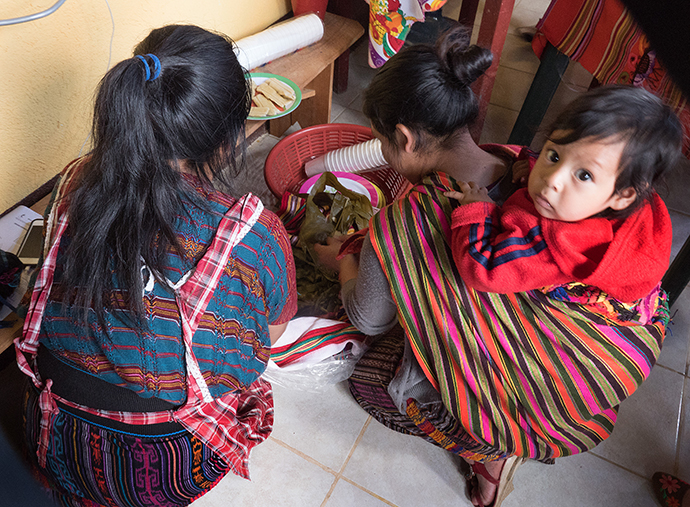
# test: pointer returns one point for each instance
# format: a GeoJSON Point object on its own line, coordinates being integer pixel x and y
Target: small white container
{"type": "Point", "coordinates": [353, 159]}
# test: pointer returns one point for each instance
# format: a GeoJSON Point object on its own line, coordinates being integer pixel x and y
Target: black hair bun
{"type": "Point", "coordinates": [466, 62]}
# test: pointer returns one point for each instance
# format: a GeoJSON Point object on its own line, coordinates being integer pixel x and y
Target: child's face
{"type": "Point", "coordinates": [571, 182]}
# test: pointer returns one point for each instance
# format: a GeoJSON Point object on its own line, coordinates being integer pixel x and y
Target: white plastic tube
{"type": "Point", "coordinates": [279, 40]}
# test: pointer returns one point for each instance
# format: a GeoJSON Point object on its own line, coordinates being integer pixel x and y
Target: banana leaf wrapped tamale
{"type": "Point", "coordinates": [331, 210]}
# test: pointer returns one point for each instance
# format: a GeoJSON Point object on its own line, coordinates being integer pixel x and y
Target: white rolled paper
{"type": "Point", "coordinates": [351, 159]}
{"type": "Point", "coordinates": [278, 40]}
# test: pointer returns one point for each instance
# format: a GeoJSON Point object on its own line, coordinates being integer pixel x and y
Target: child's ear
{"type": "Point", "coordinates": [408, 142]}
{"type": "Point", "coordinates": [623, 199]}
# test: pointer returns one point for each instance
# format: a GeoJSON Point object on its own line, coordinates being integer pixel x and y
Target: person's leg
{"type": "Point", "coordinates": [371, 377]}
{"type": "Point", "coordinates": [486, 489]}
{"type": "Point", "coordinates": [494, 480]}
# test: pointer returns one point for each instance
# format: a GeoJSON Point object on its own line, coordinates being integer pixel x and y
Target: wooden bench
{"type": "Point", "coordinates": [310, 68]}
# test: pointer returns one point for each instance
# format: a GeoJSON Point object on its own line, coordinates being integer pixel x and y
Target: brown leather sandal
{"type": "Point", "coordinates": [504, 483]}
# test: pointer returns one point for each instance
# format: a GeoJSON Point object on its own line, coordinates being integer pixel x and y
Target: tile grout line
{"type": "Point", "coordinates": [687, 359]}
{"type": "Point", "coordinates": [679, 426]}
{"type": "Point", "coordinates": [336, 474]}
{"type": "Point", "coordinates": [387, 502]}
{"type": "Point", "coordinates": [679, 430]}
{"type": "Point", "coordinates": [354, 98]}
{"type": "Point", "coordinates": [330, 491]}
{"type": "Point", "coordinates": [339, 473]}
{"type": "Point", "coordinates": [303, 455]}
{"type": "Point", "coordinates": [607, 460]}
{"type": "Point", "coordinates": [354, 446]}
{"type": "Point", "coordinates": [519, 65]}
{"type": "Point", "coordinates": [503, 107]}
{"type": "Point", "coordinates": [668, 368]}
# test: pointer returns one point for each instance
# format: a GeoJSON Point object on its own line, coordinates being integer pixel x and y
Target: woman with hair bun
{"type": "Point", "coordinates": [154, 310]}
{"type": "Point", "coordinates": [493, 377]}
{"type": "Point", "coordinates": [421, 107]}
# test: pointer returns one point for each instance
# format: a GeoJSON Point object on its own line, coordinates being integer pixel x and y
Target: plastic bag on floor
{"type": "Point", "coordinates": [315, 353]}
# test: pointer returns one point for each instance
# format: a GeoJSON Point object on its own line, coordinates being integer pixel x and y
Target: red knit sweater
{"type": "Point", "coordinates": [514, 249]}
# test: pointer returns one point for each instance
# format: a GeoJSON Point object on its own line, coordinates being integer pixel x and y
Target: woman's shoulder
{"type": "Point", "coordinates": [217, 202]}
{"type": "Point", "coordinates": [267, 232]}
{"type": "Point", "coordinates": [271, 230]}
{"type": "Point", "coordinates": [270, 220]}
{"type": "Point", "coordinates": [423, 202]}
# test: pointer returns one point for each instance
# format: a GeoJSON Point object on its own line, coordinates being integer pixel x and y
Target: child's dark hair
{"type": "Point", "coordinates": [427, 88]}
{"type": "Point", "coordinates": [651, 131]}
{"type": "Point", "coordinates": [182, 97]}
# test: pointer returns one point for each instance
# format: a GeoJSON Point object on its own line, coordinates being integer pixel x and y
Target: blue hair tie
{"type": "Point", "coordinates": [156, 66]}
{"type": "Point", "coordinates": [146, 67]}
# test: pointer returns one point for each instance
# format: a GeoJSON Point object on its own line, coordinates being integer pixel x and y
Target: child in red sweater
{"type": "Point", "coordinates": [589, 213]}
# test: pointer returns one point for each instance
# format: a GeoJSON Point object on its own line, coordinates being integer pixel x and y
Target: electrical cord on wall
{"type": "Point", "coordinates": [49, 11]}
{"type": "Point", "coordinates": [107, 68]}
{"type": "Point", "coordinates": [32, 17]}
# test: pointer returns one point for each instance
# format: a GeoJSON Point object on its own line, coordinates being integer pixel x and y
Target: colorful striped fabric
{"type": "Point", "coordinates": [93, 466]}
{"type": "Point", "coordinates": [431, 421]}
{"type": "Point", "coordinates": [315, 339]}
{"type": "Point", "coordinates": [292, 211]}
{"type": "Point", "coordinates": [532, 375]}
{"type": "Point", "coordinates": [605, 39]}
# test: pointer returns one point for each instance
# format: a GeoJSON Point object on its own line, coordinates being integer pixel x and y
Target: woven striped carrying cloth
{"type": "Point", "coordinates": [537, 374]}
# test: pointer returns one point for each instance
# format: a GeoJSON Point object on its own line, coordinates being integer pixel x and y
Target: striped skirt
{"type": "Point", "coordinates": [90, 465]}
{"type": "Point", "coordinates": [369, 386]}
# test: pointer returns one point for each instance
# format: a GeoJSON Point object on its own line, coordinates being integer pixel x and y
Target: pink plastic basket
{"type": "Point", "coordinates": [284, 167]}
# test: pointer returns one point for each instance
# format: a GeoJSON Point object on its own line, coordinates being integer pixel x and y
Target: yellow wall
{"type": "Point", "coordinates": [49, 70]}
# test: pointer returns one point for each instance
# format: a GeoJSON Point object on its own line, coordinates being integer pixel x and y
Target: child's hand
{"type": "Point", "coordinates": [521, 172]}
{"type": "Point", "coordinates": [470, 192]}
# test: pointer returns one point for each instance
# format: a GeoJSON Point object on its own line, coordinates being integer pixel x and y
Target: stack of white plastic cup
{"type": "Point", "coordinates": [351, 159]}
{"type": "Point", "coordinates": [279, 40]}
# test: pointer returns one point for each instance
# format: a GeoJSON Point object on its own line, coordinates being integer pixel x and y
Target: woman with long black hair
{"type": "Point", "coordinates": [160, 293]}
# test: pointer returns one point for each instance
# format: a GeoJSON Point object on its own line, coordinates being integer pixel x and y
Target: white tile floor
{"type": "Point", "coordinates": [326, 451]}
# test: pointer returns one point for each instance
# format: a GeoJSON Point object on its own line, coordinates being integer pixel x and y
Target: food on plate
{"type": "Point", "coordinates": [272, 94]}
{"type": "Point", "coordinates": [258, 112]}
{"type": "Point", "coordinates": [271, 97]}
{"type": "Point", "coordinates": [261, 101]}
{"type": "Point", "coordinates": [282, 88]}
